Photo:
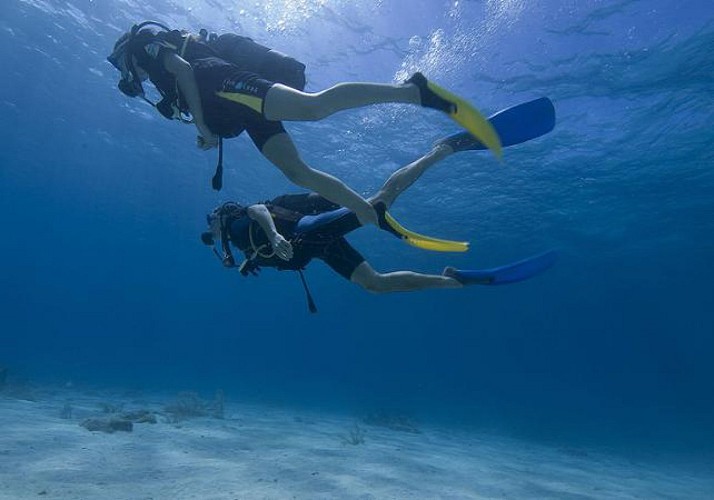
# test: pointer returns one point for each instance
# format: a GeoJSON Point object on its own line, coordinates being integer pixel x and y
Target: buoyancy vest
{"type": "Point", "coordinates": [237, 228]}
{"type": "Point", "coordinates": [286, 211]}
{"type": "Point", "coordinates": [183, 44]}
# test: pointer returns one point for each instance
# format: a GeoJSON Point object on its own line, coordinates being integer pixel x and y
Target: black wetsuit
{"type": "Point", "coordinates": [223, 117]}
{"type": "Point", "coordinates": [326, 243]}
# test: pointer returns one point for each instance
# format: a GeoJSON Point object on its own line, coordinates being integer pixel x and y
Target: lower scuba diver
{"type": "Point", "coordinates": [228, 84]}
{"type": "Point", "coordinates": [289, 231]}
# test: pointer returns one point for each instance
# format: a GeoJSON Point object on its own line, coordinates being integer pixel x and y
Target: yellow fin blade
{"type": "Point", "coordinates": [426, 242]}
{"type": "Point", "coordinates": [471, 119]}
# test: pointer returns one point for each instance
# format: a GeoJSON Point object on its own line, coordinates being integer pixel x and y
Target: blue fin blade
{"type": "Point", "coordinates": [524, 122]}
{"type": "Point", "coordinates": [510, 273]}
{"type": "Point", "coordinates": [514, 125]}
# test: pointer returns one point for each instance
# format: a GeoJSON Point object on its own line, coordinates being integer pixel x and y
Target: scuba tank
{"type": "Point", "coordinates": [256, 58]}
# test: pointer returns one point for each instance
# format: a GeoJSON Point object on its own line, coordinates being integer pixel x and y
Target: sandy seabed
{"type": "Point", "coordinates": [262, 452]}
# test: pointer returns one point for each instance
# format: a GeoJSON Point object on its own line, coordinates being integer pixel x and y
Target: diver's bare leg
{"type": "Point", "coordinates": [399, 281]}
{"type": "Point", "coordinates": [400, 180]}
{"type": "Point", "coordinates": [283, 103]}
{"type": "Point", "coordinates": [281, 151]}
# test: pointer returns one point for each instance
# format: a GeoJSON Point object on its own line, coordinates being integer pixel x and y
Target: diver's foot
{"type": "Point", "coordinates": [466, 277]}
{"type": "Point", "coordinates": [449, 272]}
{"type": "Point", "coordinates": [381, 209]}
{"type": "Point", "coordinates": [369, 216]}
{"type": "Point", "coordinates": [429, 98]}
{"type": "Point", "coordinates": [462, 141]}
{"type": "Point", "coordinates": [453, 273]}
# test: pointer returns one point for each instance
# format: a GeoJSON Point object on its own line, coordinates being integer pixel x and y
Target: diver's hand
{"type": "Point", "coordinates": [206, 139]}
{"type": "Point", "coordinates": [282, 247]}
{"type": "Point", "coordinates": [206, 142]}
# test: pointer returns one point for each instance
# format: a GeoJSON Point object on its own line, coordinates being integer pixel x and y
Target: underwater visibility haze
{"type": "Point", "coordinates": [105, 282]}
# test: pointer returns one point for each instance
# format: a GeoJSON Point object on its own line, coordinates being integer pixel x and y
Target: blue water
{"type": "Point", "coordinates": [104, 281]}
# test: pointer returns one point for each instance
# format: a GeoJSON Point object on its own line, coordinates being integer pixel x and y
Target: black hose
{"type": "Point", "coordinates": [217, 181]}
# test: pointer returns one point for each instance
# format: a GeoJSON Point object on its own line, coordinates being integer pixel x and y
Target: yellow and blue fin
{"type": "Point", "coordinates": [514, 125]}
{"type": "Point", "coordinates": [459, 110]}
{"type": "Point", "coordinates": [390, 224]}
{"type": "Point", "coordinates": [510, 273]}
{"type": "Point", "coordinates": [422, 241]}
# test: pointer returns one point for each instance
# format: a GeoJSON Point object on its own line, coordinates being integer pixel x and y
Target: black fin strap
{"type": "Point", "coordinates": [217, 181]}
{"type": "Point", "coordinates": [310, 303]}
{"type": "Point", "coordinates": [381, 209]}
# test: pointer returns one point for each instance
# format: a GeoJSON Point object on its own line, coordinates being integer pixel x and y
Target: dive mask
{"type": "Point", "coordinates": [213, 220]}
{"type": "Point", "coordinates": [218, 222]}
{"type": "Point", "coordinates": [120, 58]}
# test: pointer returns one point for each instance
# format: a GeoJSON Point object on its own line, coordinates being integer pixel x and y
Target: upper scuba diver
{"type": "Point", "coordinates": [227, 84]}
{"type": "Point", "coordinates": [289, 231]}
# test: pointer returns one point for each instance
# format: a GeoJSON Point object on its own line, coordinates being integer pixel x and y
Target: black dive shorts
{"type": "Point", "coordinates": [341, 257]}
{"type": "Point", "coordinates": [336, 253]}
{"type": "Point", "coordinates": [244, 110]}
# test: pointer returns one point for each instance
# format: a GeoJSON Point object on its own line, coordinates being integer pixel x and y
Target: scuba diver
{"type": "Point", "coordinates": [228, 84]}
{"type": "Point", "coordinates": [289, 231]}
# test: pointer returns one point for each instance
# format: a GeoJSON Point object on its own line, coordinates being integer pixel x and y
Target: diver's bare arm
{"type": "Point", "coordinates": [261, 215]}
{"type": "Point", "coordinates": [183, 72]}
